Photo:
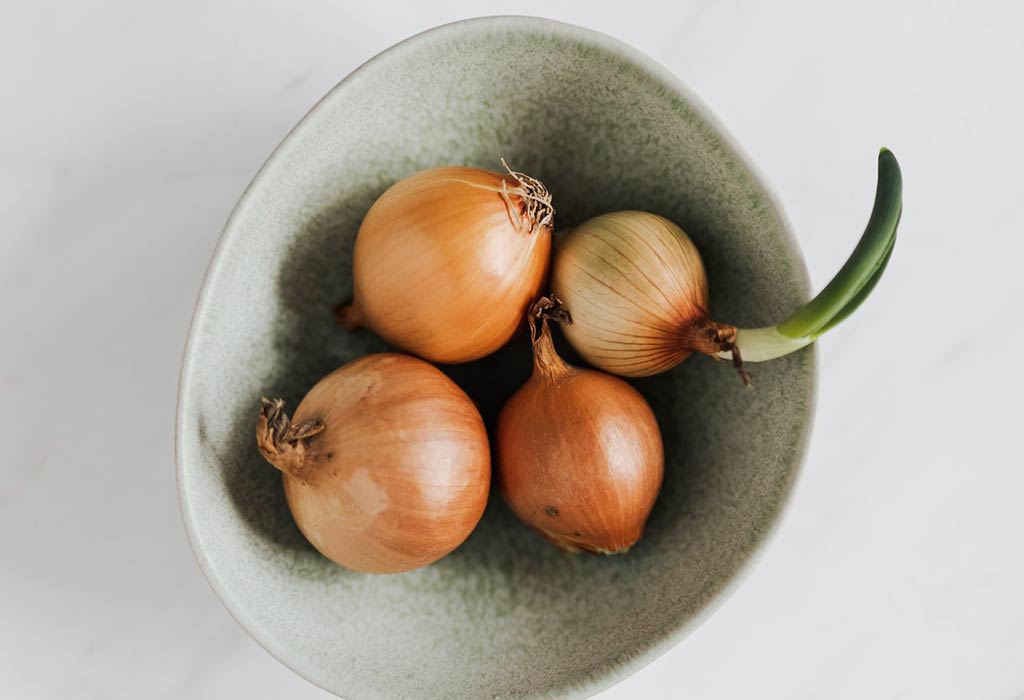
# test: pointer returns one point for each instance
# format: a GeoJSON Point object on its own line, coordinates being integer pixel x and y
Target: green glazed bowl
{"type": "Point", "coordinates": [506, 615]}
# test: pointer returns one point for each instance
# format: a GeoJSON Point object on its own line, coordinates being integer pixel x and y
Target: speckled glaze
{"type": "Point", "coordinates": [506, 615]}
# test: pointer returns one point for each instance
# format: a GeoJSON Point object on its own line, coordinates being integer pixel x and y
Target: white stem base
{"type": "Point", "coordinates": [761, 344]}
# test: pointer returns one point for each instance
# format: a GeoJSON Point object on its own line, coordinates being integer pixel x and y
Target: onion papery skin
{"type": "Point", "coordinates": [447, 261]}
{"type": "Point", "coordinates": [386, 463]}
{"type": "Point", "coordinates": [638, 293]}
{"type": "Point", "coordinates": [579, 456]}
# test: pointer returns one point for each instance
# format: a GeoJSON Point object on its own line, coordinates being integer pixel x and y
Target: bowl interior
{"type": "Point", "coordinates": [505, 615]}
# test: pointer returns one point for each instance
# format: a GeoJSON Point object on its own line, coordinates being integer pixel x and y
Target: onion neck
{"type": "Point", "coordinates": [714, 339]}
{"type": "Point", "coordinates": [283, 443]}
{"type": "Point", "coordinates": [534, 208]}
{"type": "Point", "coordinates": [546, 360]}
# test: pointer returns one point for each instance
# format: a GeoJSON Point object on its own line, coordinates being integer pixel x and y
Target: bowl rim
{"type": "Point", "coordinates": [616, 671]}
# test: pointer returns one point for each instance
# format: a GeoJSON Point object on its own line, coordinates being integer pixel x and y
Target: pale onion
{"type": "Point", "coordinates": [639, 297]}
{"type": "Point", "coordinates": [386, 463]}
{"type": "Point", "coordinates": [636, 287]}
{"type": "Point", "coordinates": [578, 453]}
{"type": "Point", "coordinates": [448, 260]}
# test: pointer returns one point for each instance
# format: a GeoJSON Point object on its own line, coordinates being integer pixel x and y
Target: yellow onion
{"type": "Point", "coordinates": [578, 452]}
{"type": "Point", "coordinates": [386, 463]}
{"type": "Point", "coordinates": [638, 293]}
{"type": "Point", "coordinates": [447, 261]}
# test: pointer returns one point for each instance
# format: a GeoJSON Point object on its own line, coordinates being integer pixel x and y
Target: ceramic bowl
{"type": "Point", "coordinates": [505, 615]}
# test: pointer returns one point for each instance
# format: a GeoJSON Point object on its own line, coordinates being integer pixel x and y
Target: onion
{"type": "Point", "coordinates": [579, 454]}
{"type": "Point", "coordinates": [447, 261]}
{"type": "Point", "coordinates": [639, 296]}
{"type": "Point", "coordinates": [386, 463]}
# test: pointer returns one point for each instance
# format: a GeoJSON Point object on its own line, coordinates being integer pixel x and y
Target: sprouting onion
{"type": "Point", "coordinates": [636, 286]}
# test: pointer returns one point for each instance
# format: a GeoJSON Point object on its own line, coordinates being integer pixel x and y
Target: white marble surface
{"type": "Point", "coordinates": [128, 131]}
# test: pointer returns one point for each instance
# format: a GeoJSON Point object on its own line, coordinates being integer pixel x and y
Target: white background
{"type": "Point", "coordinates": [129, 129]}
